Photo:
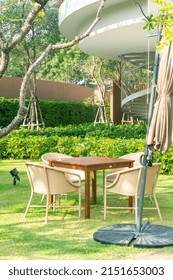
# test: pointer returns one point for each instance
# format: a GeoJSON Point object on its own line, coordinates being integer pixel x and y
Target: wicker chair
{"type": "Point", "coordinates": [48, 181]}
{"type": "Point", "coordinates": [135, 156]}
{"type": "Point", "coordinates": [127, 182]}
{"type": "Point", "coordinates": [57, 156]}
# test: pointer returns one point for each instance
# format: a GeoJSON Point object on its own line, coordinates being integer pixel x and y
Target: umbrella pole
{"type": "Point", "coordinates": [145, 157]}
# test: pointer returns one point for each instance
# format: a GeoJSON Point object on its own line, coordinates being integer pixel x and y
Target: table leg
{"type": "Point", "coordinates": [51, 201]}
{"type": "Point", "coordinates": [131, 197]}
{"type": "Point", "coordinates": [87, 194]}
{"type": "Point", "coordinates": [94, 192]}
{"type": "Point", "coordinates": [103, 182]}
{"type": "Point", "coordinates": [50, 196]}
{"type": "Point", "coordinates": [130, 203]}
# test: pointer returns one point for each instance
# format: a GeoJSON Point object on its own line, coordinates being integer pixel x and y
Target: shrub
{"type": "Point", "coordinates": [82, 140]}
{"type": "Point", "coordinates": [34, 147]}
{"type": "Point", "coordinates": [54, 112]}
{"type": "Point", "coordinates": [137, 131]}
{"type": "Point", "coordinates": [8, 109]}
{"type": "Point", "coordinates": [27, 148]}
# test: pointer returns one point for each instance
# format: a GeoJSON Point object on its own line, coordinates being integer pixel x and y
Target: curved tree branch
{"type": "Point", "coordinates": [22, 109]}
{"type": "Point", "coordinates": [7, 46]}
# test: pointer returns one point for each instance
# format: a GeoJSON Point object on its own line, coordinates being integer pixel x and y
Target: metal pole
{"type": "Point", "coordinates": [150, 113]}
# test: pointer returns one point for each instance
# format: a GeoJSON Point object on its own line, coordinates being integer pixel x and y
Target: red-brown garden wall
{"type": "Point", "coordinates": [10, 88]}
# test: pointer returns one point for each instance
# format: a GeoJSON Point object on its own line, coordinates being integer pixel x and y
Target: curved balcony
{"type": "Point", "coordinates": [119, 33]}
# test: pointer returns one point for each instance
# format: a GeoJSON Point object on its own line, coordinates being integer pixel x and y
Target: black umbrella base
{"type": "Point", "coordinates": [150, 236]}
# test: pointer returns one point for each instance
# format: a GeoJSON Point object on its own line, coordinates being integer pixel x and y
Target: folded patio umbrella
{"type": "Point", "coordinates": [161, 129]}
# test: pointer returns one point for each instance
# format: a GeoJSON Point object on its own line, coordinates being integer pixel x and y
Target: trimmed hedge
{"type": "Point", "coordinates": [8, 110]}
{"type": "Point", "coordinates": [61, 112]}
{"type": "Point", "coordinates": [137, 131]}
{"type": "Point", "coordinates": [54, 112]}
{"type": "Point", "coordinates": [26, 144]}
{"type": "Point", "coordinates": [33, 147]}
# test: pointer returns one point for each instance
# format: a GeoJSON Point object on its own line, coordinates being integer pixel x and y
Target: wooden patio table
{"type": "Point", "coordinates": [91, 164]}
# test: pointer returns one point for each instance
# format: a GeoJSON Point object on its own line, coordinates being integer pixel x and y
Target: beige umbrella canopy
{"type": "Point", "coordinates": [161, 129]}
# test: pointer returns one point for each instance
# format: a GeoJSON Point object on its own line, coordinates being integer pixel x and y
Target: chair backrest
{"type": "Point", "coordinates": [151, 177]}
{"type": "Point", "coordinates": [37, 177]}
{"type": "Point", "coordinates": [128, 182]}
{"type": "Point", "coordinates": [135, 156]}
{"type": "Point", "coordinates": [58, 181]}
{"type": "Point", "coordinates": [53, 156]}
{"type": "Point", "coordinates": [45, 179]}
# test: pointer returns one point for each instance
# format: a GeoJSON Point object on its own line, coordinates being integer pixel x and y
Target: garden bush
{"type": "Point", "coordinates": [82, 140]}
{"type": "Point", "coordinates": [54, 112]}
{"type": "Point", "coordinates": [63, 112]}
{"type": "Point", "coordinates": [33, 147]}
{"type": "Point", "coordinates": [137, 131]}
{"type": "Point", "coordinates": [8, 110]}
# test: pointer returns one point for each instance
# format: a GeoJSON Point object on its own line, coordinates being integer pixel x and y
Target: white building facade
{"type": "Point", "coordinates": [118, 34]}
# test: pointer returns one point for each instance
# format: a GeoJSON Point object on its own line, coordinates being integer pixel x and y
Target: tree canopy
{"type": "Point", "coordinates": [164, 20]}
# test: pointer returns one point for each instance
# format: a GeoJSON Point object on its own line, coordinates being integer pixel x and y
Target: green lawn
{"type": "Point", "coordinates": [66, 236]}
